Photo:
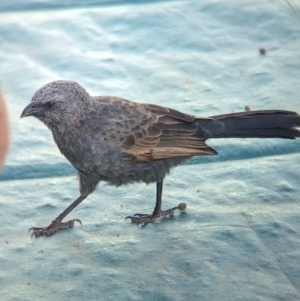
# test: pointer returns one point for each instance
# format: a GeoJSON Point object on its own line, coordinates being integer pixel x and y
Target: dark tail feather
{"type": "Point", "coordinates": [252, 124]}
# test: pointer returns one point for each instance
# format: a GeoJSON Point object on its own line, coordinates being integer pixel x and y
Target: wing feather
{"type": "Point", "coordinates": [166, 134]}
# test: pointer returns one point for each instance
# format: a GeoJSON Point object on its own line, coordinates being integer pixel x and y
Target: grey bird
{"type": "Point", "coordinates": [118, 141]}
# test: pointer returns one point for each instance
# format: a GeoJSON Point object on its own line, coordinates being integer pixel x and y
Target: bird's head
{"type": "Point", "coordinates": [57, 101]}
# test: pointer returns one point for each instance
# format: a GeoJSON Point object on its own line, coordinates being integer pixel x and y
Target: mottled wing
{"type": "Point", "coordinates": [126, 125]}
{"type": "Point", "coordinates": [164, 133]}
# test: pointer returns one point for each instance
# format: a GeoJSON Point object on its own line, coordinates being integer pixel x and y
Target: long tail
{"type": "Point", "coordinates": [252, 124]}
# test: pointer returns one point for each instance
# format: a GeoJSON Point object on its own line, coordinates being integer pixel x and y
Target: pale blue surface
{"type": "Point", "coordinates": [239, 238]}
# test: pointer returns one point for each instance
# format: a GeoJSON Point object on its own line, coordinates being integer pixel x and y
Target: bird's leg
{"type": "Point", "coordinates": [57, 223]}
{"type": "Point", "coordinates": [140, 218]}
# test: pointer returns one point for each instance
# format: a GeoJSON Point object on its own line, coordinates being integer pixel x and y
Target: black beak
{"type": "Point", "coordinates": [31, 110]}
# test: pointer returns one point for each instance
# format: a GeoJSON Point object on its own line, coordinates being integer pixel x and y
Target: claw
{"type": "Point", "coordinates": [79, 221]}
{"type": "Point", "coordinates": [140, 218]}
{"type": "Point", "coordinates": [53, 227]}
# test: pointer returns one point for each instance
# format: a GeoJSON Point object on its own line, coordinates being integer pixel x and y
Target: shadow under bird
{"type": "Point", "coordinates": [111, 139]}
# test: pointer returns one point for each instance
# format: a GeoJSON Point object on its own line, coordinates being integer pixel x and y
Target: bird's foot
{"type": "Point", "coordinates": [53, 227]}
{"type": "Point", "coordinates": [140, 218]}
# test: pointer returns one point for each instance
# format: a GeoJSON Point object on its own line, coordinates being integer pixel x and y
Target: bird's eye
{"type": "Point", "coordinates": [49, 105]}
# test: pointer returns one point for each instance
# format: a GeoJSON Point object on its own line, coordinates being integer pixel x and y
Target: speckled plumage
{"type": "Point", "coordinates": [114, 140]}
{"type": "Point", "coordinates": [109, 138]}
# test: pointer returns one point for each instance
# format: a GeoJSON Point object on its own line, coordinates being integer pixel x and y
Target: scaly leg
{"type": "Point", "coordinates": [140, 218]}
{"type": "Point", "coordinates": [57, 223]}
